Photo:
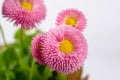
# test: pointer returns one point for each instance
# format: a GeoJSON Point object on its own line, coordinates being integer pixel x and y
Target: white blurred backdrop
{"type": "Point", "coordinates": [102, 33]}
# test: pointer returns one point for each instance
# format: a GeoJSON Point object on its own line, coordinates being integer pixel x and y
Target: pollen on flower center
{"type": "Point", "coordinates": [71, 21]}
{"type": "Point", "coordinates": [26, 5]}
{"type": "Point", "coordinates": [66, 46]}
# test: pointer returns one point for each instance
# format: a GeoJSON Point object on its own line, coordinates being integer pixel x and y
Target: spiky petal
{"type": "Point", "coordinates": [26, 13]}
{"type": "Point", "coordinates": [36, 48]}
{"type": "Point", "coordinates": [72, 17]}
{"type": "Point", "coordinates": [62, 60]}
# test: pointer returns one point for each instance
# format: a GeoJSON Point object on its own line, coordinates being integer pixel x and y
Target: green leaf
{"type": "Point", "coordinates": [61, 77]}
{"type": "Point", "coordinates": [15, 61]}
{"type": "Point", "coordinates": [47, 73]}
{"type": "Point", "coordinates": [2, 62]}
{"type": "Point", "coordinates": [10, 75]}
{"type": "Point", "coordinates": [9, 57]}
{"type": "Point", "coordinates": [24, 66]}
{"type": "Point", "coordinates": [18, 34]}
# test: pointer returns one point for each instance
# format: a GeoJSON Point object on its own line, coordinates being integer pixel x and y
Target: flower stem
{"type": "Point", "coordinates": [21, 36]}
{"type": "Point", "coordinates": [21, 41]}
{"type": "Point", "coordinates": [31, 70]}
{"type": "Point", "coordinates": [3, 36]}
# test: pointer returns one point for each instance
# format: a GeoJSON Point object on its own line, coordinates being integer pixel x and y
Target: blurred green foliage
{"type": "Point", "coordinates": [16, 61]}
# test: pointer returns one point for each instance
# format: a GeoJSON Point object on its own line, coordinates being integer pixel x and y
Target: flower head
{"type": "Point", "coordinates": [73, 18]}
{"type": "Point", "coordinates": [64, 49]}
{"type": "Point", "coordinates": [36, 48]}
{"type": "Point", "coordinates": [26, 13]}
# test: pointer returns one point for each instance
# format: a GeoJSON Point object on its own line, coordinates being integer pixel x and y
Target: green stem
{"type": "Point", "coordinates": [3, 36]}
{"type": "Point", "coordinates": [31, 70]}
{"type": "Point", "coordinates": [21, 41]}
{"type": "Point", "coordinates": [21, 36]}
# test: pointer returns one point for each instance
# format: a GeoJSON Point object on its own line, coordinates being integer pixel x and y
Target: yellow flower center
{"type": "Point", "coordinates": [71, 21]}
{"type": "Point", "coordinates": [66, 46]}
{"type": "Point", "coordinates": [26, 5]}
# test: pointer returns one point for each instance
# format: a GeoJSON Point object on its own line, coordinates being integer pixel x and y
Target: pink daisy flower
{"type": "Point", "coordinates": [73, 18]}
{"type": "Point", "coordinates": [26, 13]}
{"type": "Point", "coordinates": [36, 48]}
{"type": "Point", "coordinates": [64, 49]}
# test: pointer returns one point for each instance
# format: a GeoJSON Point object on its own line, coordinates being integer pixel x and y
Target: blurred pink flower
{"type": "Point", "coordinates": [26, 13]}
{"type": "Point", "coordinates": [73, 18]}
{"type": "Point", "coordinates": [36, 48]}
{"type": "Point", "coordinates": [64, 49]}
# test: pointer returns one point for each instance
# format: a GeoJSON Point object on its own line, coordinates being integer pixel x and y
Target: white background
{"type": "Point", "coordinates": [102, 33]}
